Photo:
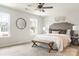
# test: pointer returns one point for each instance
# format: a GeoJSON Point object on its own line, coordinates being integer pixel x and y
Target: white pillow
{"type": "Point", "coordinates": [68, 32]}
{"type": "Point", "coordinates": [55, 32]}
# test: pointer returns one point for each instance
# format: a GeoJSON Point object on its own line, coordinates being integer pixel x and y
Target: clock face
{"type": "Point", "coordinates": [20, 23]}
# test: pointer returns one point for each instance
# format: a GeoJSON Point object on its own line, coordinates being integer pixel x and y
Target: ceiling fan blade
{"type": "Point", "coordinates": [47, 7]}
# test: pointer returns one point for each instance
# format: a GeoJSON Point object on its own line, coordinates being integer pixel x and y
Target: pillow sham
{"type": "Point", "coordinates": [68, 32]}
{"type": "Point", "coordinates": [55, 32]}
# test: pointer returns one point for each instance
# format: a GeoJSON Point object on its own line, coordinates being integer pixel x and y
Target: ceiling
{"type": "Point", "coordinates": [30, 7]}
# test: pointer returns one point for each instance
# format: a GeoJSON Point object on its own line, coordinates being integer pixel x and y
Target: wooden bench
{"type": "Point", "coordinates": [50, 44]}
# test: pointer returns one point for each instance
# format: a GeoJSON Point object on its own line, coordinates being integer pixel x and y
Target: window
{"type": "Point", "coordinates": [4, 24]}
{"type": "Point", "coordinates": [33, 26]}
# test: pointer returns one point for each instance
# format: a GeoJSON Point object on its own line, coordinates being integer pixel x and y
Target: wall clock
{"type": "Point", "coordinates": [21, 23]}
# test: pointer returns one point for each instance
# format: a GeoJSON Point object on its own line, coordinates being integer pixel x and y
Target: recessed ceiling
{"type": "Point", "coordinates": [30, 7]}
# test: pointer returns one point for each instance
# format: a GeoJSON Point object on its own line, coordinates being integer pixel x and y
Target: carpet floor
{"type": "Point", "coordinates": [28, 50]}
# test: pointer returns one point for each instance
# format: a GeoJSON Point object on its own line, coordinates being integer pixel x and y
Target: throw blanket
{"type": "Point", "coordinates": [61, 41]}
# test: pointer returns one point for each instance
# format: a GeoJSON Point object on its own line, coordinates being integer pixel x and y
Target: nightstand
{"type": "Point", "coordinates": [75, 40]}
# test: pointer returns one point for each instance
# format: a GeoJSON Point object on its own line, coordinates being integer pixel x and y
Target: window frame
{"type": "Point", "coordinates": [7, 18]}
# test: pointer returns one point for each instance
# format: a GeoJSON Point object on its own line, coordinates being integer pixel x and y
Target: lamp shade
{"type": "Point", "coordinates": [75, 28]}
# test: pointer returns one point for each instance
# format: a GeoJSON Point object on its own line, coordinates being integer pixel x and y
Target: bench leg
{"type": "Point", "coordinates": [34, 43]}
{"type": "Point", "coordinates": [50, 46]}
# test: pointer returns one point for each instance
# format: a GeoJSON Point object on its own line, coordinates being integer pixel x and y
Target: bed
{"type": "Point", "coordinates": [61, 39]}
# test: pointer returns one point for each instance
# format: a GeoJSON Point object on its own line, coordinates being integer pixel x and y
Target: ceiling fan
{"type": "Point", "coordinates": [42, 8]}
{"type": "Point", "coordinates": [39, 6]}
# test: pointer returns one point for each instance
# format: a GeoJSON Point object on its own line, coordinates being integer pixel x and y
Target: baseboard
{"type": "Point", "coordinates": [14, 44]}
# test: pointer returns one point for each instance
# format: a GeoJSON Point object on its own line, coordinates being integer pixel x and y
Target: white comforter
{"type": "Point", "coordinates": [60, 40]}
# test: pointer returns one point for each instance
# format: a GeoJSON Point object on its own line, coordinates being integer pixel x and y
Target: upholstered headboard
{"type": "Point", "coordinates": [60, 26]}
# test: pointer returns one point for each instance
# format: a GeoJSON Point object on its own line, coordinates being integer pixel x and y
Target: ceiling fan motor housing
{"type": "Point", "coordinates": [40, 6]}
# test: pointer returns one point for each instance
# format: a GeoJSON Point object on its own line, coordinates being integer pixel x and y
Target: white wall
{"type": "Point", "coordinates": [70, 11]}
{"type": "Point", "coordinates": [17, 36]}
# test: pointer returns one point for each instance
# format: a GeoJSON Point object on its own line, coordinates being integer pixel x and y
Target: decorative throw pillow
{"type": "Point", "coordinates": [62, 32]}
